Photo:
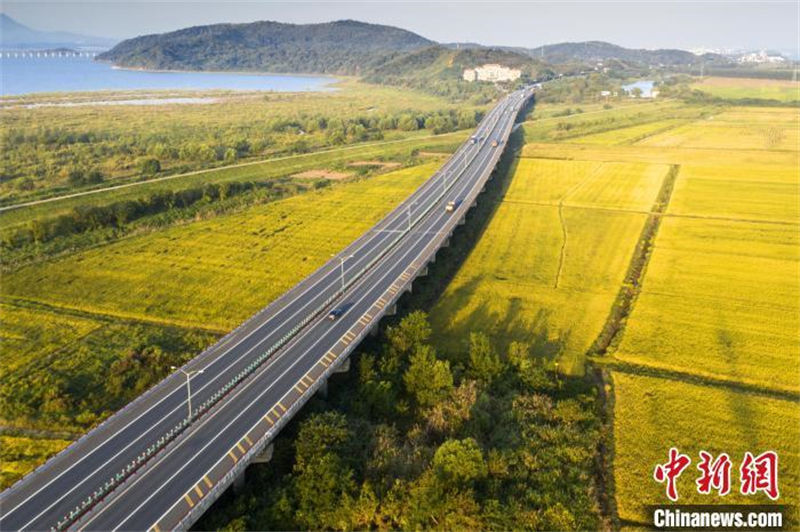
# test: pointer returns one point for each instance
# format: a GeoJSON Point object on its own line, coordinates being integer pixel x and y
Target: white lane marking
{"type": "Point", "coordinates": [243, 409]}
{"type": "Point", "coordinates": [465, 155]}
{"type": "Point", "coordinates": [398, 212]}
{"type": "Point", "coordinates": [437, 220]}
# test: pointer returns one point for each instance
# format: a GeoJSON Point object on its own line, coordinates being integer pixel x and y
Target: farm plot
{"type": "Point", "coordinates": [517, 284]}
{"type": "Point", "coordinates": [629, 135]}
{"type": "Point", "coordinates": [28, 334]}
{"type": "Point", "coordinates": [663, 155]}
{"type": "Point", "coordinates": [20, 455]}
{"type": "Point", "coordinates": [214, 273]}
{"type": "Point", "coordinates": [728, 135]}
{"type": "Point", "coordinates": [739, 88]}
{"type": "Point", "coordinates": [753, 192]}
{"type": "Point", "coordinates": [720, 299]}
{"type": "Point", "coordinates": [654, 414]}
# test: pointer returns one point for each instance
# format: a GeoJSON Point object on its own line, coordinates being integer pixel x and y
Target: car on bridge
{"type": "Point", "coordinates": [334, 314]}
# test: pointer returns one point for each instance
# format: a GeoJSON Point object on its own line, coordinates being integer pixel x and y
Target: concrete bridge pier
{"type": "Point", "coordinates": [344, 367]}
{"type": "Point", "coordinates": [264, 457]}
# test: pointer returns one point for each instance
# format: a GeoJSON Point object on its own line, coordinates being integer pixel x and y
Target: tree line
{"type": "Point", "coordinates": [416, 439]}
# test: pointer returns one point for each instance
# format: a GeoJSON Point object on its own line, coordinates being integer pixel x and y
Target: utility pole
{"type": "Point", "coordinates": [188, 385]}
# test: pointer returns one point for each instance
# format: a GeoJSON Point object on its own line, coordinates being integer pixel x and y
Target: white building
{"type": "Point", "coordinates": [492, 72]}
{"type": "Point", "coordinates": [761, 57]}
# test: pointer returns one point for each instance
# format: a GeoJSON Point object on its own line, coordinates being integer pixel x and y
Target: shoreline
{"type": "Point", "coordinates": [325, 82]}
{"type": "Point", "coordinates": [236, 72]}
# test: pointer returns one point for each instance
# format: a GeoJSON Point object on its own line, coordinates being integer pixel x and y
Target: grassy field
{"type": "Point", "coordinates": [20, 455]}
{"type": "Point", "coordinates": [53, 149]}
{"type": "Point", "coordinates": [214, 273]}
{"type": "Point", "coordinates": [652, 414]}
{"type": "Point", "coordinates": [738, 88]}
{"type": "Point", "coordinates": [86, 332]}
{"type": "Point", "coordinates": [335, 158]}
{"type": "Point", "coordinates": [523, 281]}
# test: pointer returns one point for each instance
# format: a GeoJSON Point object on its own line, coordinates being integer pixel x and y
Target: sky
{"type": "Point", "coordinates": [636, 24]}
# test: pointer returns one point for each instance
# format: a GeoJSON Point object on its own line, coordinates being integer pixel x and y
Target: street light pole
{"type": "Point", "coordinates": [408, 210]}
{"type": "Point", "coordinates": [188, 385]}
{"type": "Point", "coordinates": [341, 265]}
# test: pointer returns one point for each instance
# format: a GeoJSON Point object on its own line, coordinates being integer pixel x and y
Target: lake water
{"type": "Point", "coordinates": [645, 86]}
{"type": "Point", "coordinates": [24, 75]}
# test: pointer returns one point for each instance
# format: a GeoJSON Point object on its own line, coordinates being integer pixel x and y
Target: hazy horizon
{"type": "Point", "coordinates": [688, 25]}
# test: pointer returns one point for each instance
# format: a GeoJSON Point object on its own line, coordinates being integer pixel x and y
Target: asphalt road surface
{"type": "Point", "coordinates": [168, 490]}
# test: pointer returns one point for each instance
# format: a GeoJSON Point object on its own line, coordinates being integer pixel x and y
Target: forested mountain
{"type": "Point", "coordinates": [340, 47]}
{"type": "Point", "coordinates": [439, 69]}
{"type": "Point", "coordinates": [592, 51]}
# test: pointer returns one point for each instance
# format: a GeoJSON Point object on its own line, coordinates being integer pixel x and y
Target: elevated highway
{"type": "Point", "coordinates": [156, 465]}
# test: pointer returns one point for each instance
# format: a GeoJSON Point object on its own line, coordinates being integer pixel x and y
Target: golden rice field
{"type": "Point", "coordinates": [652, 414]}
{"type": "Point", "coordinates": [737, 88]}
{"type": "Point", "coordinates": [513, 285]}
{"type": "Point", "coordinates": [780, 159]}
{"type": "Point", "coordinates": [214, 273]}
{"type": "Point", "coordinates": [20, 455]}
{"type": "Point", "coordinates": [629, 135]}
{"type": "Point", "coordinates": [33, 333]}
{"type": "Point", "coordinates": [751, 192]}
{"type": "Point", "coordinates": [720, 299]}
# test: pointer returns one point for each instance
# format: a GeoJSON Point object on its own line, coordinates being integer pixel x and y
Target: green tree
{"type": "Point", "coordinates": [407, 123]}
{"type": "Point", "coordinates": [460, 462]}
{"type": "Point", "coordinates": [485, 363]}
{"type": "Point", "coordinates": [412, 332]}
{"type": "Point", "coordinates": [150, 166]}
{"type": "Point", "coordinates": [429, 380]}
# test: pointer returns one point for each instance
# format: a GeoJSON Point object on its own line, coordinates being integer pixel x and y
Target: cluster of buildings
{"type": "Point", "coordinates": [760, 57]}
{"type": "Point", "coordinates": [492, 72]}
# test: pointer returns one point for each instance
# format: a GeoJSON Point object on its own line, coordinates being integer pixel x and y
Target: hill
{"type": "Point", "coordinates": [16, 35]}
{"type": "Point", "coordinates": [340, 47]}
{"type": "Point", "coordinates": [593, 51]}
{"type": "Point", "coordinates": [439, 69]}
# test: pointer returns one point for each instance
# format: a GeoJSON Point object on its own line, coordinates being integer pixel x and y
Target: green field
{"type": "Point", "coordinates": [739, 88]}
{"type": "Point", "coordinates": [13, 220]}
{"type": "Point", "coordinates": [51, 150]}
